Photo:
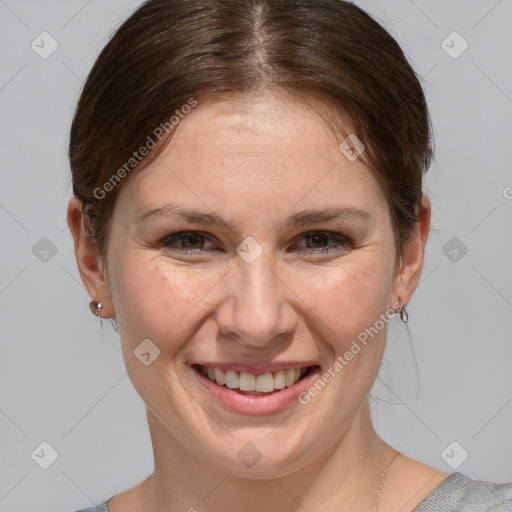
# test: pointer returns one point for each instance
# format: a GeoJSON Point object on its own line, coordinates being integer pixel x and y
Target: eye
{"type": "Point", "coordinates": [316, 242]}
{"type": "Point", "coordinates": [185, 241]}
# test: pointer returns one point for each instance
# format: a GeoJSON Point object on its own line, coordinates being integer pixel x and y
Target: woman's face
{"type": "Point", "coordinates": [265, 282]}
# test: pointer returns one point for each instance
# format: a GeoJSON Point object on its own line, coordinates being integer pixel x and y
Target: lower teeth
{"type": "Point", "coordinates": [254, 392]}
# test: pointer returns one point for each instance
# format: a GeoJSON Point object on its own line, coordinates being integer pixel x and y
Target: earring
{"type": "Point", "coordinates": [115, 324]}
{"type": "Point", "coordinates": [403, 314]}
{"type": "Point", "coordinates": [95, 308]}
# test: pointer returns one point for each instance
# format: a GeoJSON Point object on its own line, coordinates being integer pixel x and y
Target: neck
{"type": "Point", "coordinates": [345, 477]}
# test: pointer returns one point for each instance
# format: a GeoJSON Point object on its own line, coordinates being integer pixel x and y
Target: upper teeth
{"type": "Point", "coordinates": [249, 382]}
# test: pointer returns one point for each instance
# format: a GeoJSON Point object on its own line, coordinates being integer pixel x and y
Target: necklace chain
{"type": "Point", "coordinates": [384, 474]}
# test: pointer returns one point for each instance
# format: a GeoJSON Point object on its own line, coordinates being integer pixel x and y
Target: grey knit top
{"type": "Point", "coordinates": [456, 493]}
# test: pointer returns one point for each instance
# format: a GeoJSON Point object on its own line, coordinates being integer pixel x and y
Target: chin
{"type": "Point", "coordinates": [256, 453]}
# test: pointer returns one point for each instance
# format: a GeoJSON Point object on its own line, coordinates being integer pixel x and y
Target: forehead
{"type": "Point", "coordinates": [267, 149]}
{"type": "Point", "coordinates": [258, 127]}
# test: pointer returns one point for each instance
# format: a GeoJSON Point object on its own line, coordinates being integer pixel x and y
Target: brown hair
{"type": "Point", "coordinates": [169, 51]}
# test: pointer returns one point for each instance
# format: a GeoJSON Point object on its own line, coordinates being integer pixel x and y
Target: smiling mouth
{"type": "Point", "coordinates": [249, 384]}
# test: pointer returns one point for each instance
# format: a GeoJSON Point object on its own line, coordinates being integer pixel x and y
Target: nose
{"type": "Point", "coordinates": [256, 311]}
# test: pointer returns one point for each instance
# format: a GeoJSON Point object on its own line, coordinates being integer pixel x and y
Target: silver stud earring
{"type": "Point", "coordinates": [95, 308]}
{"type": "Point", "coordinates": [403, 314]}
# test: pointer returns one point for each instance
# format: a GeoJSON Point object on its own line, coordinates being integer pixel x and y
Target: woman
{"type": "Point", "coordinates": [248, 207]}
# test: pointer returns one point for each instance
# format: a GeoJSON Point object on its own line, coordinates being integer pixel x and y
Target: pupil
{"type": "Point", "coordinates": [192, 237]}
{"type": "Point", "coordinates": [317, 238]}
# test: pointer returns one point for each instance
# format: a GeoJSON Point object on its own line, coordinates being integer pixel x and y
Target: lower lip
{"type": "Point", "coordinates": [257, 404]}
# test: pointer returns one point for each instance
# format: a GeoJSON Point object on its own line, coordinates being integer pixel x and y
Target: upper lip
{"type": "Point", "coordinates": [256, 369]}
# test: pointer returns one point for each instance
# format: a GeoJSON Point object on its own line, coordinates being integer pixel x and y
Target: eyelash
{"type": "Point", "coordinates": [180, 235]}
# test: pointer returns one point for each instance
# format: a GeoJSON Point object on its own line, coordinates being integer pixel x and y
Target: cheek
{"type": "Point", "coordinates": [169, 304]}
{"type": "Point", "coordinates": [349, 299]}
{"type": "Point", "coordinates": [160, 301]}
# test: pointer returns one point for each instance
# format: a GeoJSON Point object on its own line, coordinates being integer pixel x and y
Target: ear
{"type": "Point", "coordinates": [409, 273]}
{"type": "Point", "coordinates": [89, 263]}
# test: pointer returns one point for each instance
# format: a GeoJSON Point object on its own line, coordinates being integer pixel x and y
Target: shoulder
{"type": "Point", "coordinates": [459, 493]}
{"type": "Point", "coordinates": [102, 507]}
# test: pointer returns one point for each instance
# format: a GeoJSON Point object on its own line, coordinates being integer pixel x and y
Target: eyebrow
{"type": "Point", "coordinates": [310, 216]}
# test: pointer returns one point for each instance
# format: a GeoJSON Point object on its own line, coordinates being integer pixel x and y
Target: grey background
{"type": "Point", "coordinates": [63, 381]}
